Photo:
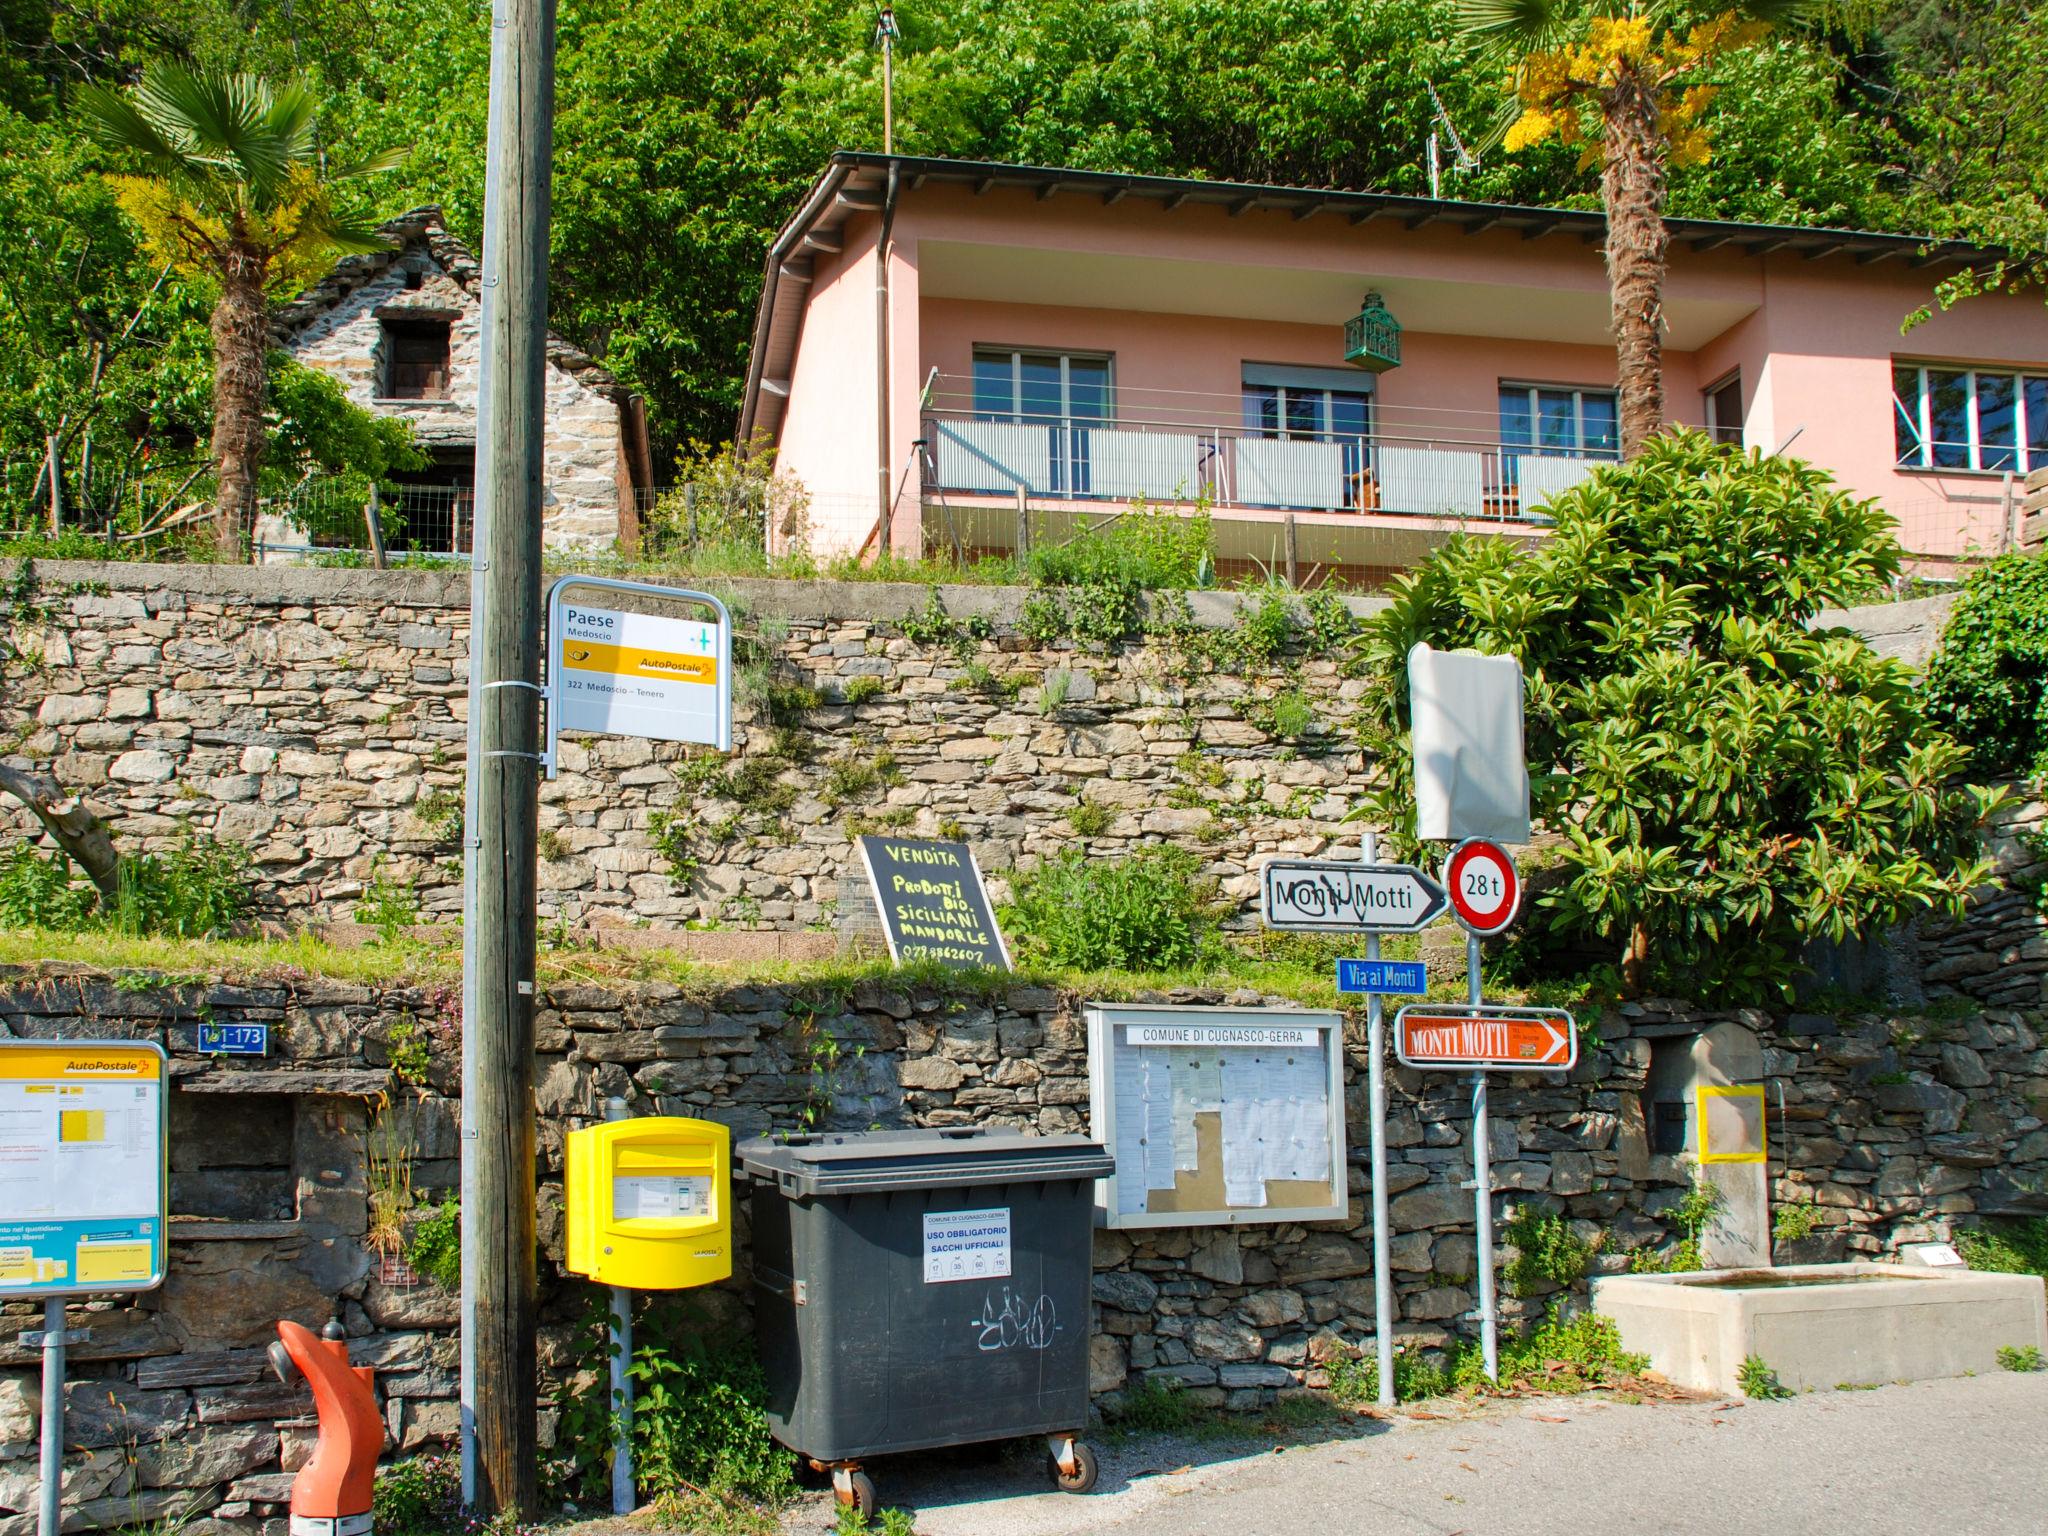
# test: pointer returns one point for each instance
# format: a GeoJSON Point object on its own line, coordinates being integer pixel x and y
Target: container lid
{"type": "Point", "coordinates": [953, 1157]}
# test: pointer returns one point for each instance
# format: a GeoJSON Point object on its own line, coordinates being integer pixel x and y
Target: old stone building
{"type": "Point", "coordinates": [401, 328]}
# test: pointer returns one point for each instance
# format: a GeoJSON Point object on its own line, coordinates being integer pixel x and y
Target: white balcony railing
{"type": "Point", "coordinates": [1376, 473]}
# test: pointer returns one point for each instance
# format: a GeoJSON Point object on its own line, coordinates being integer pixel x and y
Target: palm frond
{"type": "Point", "coordinates": [289, 118]}
{"type": "Point", "coordinates": [369, 165]}
{"type": "Point", "coordinates": [343, 239]}
{"type": "Point", "coordinates": [220, 121]}
{"type": "Point", "coordinates": [112, 119]}
{"type": "Point", "coordinates": [1516, 24]}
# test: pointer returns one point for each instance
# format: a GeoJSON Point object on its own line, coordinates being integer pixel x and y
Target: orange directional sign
{"type": "Point", "coordinates": [1458, 1036]}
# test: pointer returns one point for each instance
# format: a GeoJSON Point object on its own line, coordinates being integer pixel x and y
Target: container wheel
{"type": "Point", "coordinates": [860, 1495]}
{"type": "Point", "coordinates": [1082, 1478]}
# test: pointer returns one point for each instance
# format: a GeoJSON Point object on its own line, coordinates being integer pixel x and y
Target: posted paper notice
{"type": "Point", "coordinates": [966, 1245]}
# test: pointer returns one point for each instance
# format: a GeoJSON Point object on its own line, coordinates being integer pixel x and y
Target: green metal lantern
{"type": "Point", "coordinates": [1372, 337]}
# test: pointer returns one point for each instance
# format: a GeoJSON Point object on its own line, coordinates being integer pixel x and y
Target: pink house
{"type": "Point", "coordinates": [1342, 377]}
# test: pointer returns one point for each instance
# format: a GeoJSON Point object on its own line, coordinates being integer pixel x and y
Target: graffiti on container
{"type": "Point", "coordinates": [1013, 1322]}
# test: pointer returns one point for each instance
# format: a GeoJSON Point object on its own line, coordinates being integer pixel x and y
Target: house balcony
{"type": "Point", "coordinates": [1360, 505]}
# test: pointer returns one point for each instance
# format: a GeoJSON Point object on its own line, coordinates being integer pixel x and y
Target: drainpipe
{"type": "Point", "coordinates": [882, 363]}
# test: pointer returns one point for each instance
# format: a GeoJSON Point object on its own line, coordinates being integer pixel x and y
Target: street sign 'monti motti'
{"type": "Point", "coordinates": [1461, 1036]}
{"type": "Point", "coordinates": [1342, 896]}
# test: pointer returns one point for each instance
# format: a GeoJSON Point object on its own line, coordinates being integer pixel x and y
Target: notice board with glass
{"type": "Point", "coordinates": [1217, 1115]}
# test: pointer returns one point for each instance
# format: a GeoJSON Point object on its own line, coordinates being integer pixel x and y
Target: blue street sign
{"type": "Point", "coordinates": [235, 1039]}
{"type": "Point", "coordinates": [1405, 976]}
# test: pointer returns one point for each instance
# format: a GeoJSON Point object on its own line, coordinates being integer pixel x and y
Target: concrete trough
{"type": "Point", "coordinates": [1823, 1325]}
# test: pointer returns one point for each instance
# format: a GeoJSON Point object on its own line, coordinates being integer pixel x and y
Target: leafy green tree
{"type": "Point", "coordinates": [235, 190]}
{"type": "Point", "coordinates": [1728, 783]}
{"type": "Point", "coordinates": [1988, 679]}
{"type": "Point", "coordinates": [103, 376]}
{"type": "Point", "coordinates": [1631, 81]}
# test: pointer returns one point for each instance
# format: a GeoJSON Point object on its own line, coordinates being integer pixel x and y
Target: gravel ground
{"type": "Point", "coordinates": [1966, 1457]}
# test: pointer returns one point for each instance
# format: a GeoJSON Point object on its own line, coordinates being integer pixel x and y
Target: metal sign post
{"type": "Point", "coordinates": [624, 1498]}
{"type": "Point", "coordinates": [1482, 1183]}
{"type": "Point", "coordinates": [1382, 1241]}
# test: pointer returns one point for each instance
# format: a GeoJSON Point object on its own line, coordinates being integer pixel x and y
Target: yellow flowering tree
{"type": "Point", "coordinates": [233, 191]}
{"type": "Point", "coordinates": [1630, 83]}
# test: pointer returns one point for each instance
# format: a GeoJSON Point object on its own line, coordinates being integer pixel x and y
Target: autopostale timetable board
{"type": "Point", "coordinates": [82, 1169]}
{"type": "Point", "coordinates": [1217, 1115]}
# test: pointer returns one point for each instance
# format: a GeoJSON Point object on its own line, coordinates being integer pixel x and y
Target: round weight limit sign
{"type": "Point", "coordinates": [1484, 888]}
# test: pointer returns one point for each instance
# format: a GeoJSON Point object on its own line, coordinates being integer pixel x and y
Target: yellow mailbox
{"type": "Point", "coordinates": [648, 1202]}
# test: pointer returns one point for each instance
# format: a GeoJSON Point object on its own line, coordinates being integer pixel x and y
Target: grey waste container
{"type": "Point", "coordinates": [924, 1288]}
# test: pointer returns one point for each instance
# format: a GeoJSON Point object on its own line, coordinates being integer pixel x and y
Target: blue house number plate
{"type": "Point", "coordinates": [1384, 976]}
{"type": "Point", "coordinates": [235, 1039]}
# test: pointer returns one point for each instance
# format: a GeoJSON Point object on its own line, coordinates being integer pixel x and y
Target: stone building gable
{"type": "Point", "coordinates": [596, 434]}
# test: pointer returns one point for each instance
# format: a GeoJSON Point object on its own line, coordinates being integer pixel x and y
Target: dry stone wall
{"type": "Point", "coordinates": [1898, 1124]}
{"type": "Point", "coordinates": [316, 717]}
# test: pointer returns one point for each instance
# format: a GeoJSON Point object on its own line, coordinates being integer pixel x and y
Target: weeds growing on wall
{"type": "Point", "coordinates": [434, 1245]}
{"type": "Point", "coordinates": [197, 888]}
{"type": "Point", "coordinates": [1690, 1214]}
{"type": "Point", "coordinates": [1147, 911]}
{"type": "Point", "coordinates": [1547, 1251]}
{"type": "Point", "coordinates": [1560, 1354]}
{"type": "Point", "coordinates": [699, 1411]}
{"type": "Point", "coordinates": [2011, 1248]}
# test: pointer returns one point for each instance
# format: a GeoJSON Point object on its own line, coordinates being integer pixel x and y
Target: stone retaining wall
{"type": "Point", "coordinates": [1900, 1125]}
{"type": "Point", "coordinates": [315, 717]}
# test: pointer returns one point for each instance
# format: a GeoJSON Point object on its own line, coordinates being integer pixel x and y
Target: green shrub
{"type": "Point", "coordinates": [1546, 1250]}
{"type": "Point", "coordinates": [1758, 1380]}
{"type": "Point", "coordinates": [1090, 818]}
{"type": "Point", "coordinates": [434, 1245]}
{"type": "Point", "coordinates": [699, 1411]}
{"type": "Point", "coordinates": [858, 690]}
{"type": "Point", "coordinates": [1356, 1378]}
{"type": "Point", "coordinates": [197, 888]}
{"type": "Point", "coordinates": [1987, 683]}
{"type": "Point", "coordinates": [389, 905]}
{"type": "Point", "coordinates": [1795, 1220]}
{"type": "Point", "coordinates": [1141, 550]}
{"type": "Point", "coordinates": [1293, 716]}
{"type": "Point", "coordinates": [2016, 1248]}
{"type": "Point", "coordinates": [40, 890]}
{"type": "Point", "coordinates": [2021, 1357]}
{"type": "Point", "coordinates": [1730, 783]}
{"type": "Point", "coordinates": [419, 1496]}
{"type": "Point", "coordinates": [1141, 913]}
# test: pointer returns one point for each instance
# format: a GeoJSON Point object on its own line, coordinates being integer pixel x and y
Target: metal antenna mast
{"type": "Point", "coordinates": [886, 34]}
{"type": "Point", "coordinates": [1465, 161]}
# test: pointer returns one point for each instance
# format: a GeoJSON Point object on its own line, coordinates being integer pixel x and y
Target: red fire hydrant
{"type": "Point", "coordinates": [331, 1495]}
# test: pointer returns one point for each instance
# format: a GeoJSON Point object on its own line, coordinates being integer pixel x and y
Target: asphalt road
{"type": "Point", "coordinates": [1967, 1457]}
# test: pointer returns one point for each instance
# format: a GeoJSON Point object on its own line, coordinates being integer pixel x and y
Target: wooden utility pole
{"type": "Point", "coordinates": [498, 1279]}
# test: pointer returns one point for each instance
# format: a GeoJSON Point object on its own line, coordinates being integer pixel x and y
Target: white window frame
{"type": "Point", "coordinates": [2024, 458]}
{"type": "Point", "coordinates": [1578, 394]}
{"type": "Point", "coordinates": [990, 350]}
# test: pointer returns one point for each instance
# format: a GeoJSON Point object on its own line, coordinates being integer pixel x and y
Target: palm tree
{"type": "Point", "coordinates": [1628, 80]}
{"type": "Point", "coordinates": [235, 190]}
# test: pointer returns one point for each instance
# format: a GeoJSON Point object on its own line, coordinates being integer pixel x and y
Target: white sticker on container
{"type": "Point", "coordinates": [966, 1245]}
{"type": "Point", "coordinates": [638, 1196]}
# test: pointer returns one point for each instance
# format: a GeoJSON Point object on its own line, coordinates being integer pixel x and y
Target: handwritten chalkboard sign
{"type": "Point", "coordinates": [933, 904]}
